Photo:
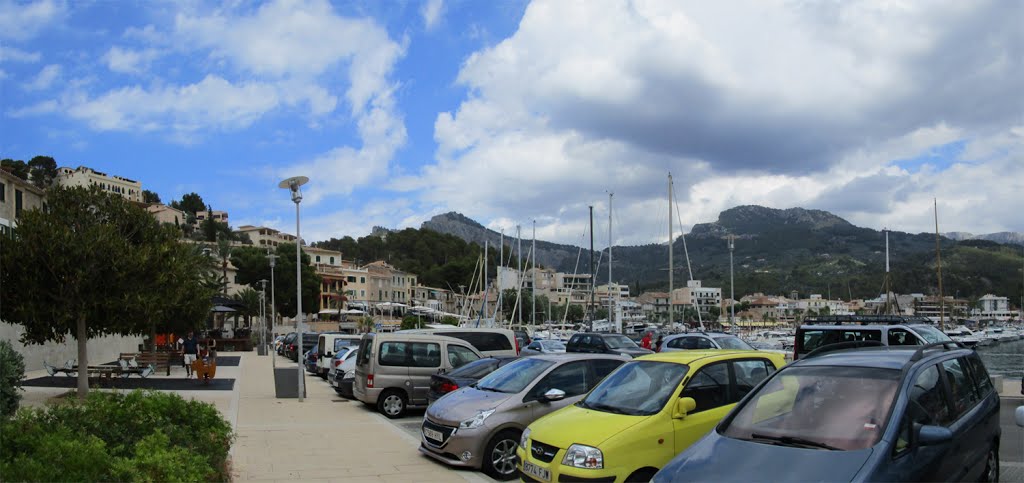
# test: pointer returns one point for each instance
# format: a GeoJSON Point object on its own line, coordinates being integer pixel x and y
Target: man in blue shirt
{"type": "Point", "coordinates": [190, 350]}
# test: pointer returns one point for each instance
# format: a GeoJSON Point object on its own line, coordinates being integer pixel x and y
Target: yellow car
{"type": "Point", "coordinates": [640, 416]}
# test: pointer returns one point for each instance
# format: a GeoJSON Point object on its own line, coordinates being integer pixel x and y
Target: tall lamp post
{"type": "Point", "coordinates": [263, 317]}
{"type": "Point", "coordinates": [293, 184]}
{"type": "Point", "coordinates": [273, 306]}
{"type": "Point", "coordinates": [732, 290]}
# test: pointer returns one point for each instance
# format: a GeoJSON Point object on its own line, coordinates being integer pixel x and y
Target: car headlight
{"type": "Point", "coordinates": [524, 438]}
{"type": "Point", "coordinates": [580, 456]}
{"type": "Point", "coordinates": [476, 421]}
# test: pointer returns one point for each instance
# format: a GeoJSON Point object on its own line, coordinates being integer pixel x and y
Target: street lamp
{"type": "Point", "coordinates": [293, 184]}
{"type": "Point", "coordinates": [273, 305]}
{"type": "Point", "coordinates": [263, 317]}
{"type": "Point", "coordinates": [732, 288]}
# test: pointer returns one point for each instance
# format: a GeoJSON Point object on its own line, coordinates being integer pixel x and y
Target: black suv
{"type": "Point", "coordinates": [309, 340]}
{"type": "Point", "coordinates": [595, 343]}
{"type": "Point", "coordinates": [890, 330]}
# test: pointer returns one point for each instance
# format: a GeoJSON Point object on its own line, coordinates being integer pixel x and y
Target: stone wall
{"type": "Point", "coordinates": [101, 350]}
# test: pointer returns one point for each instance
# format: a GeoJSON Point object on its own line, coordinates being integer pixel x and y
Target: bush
{"type": "Point", "coordinates": [138, 436]}
{"type": "Point", "coordinates": [12, 371]}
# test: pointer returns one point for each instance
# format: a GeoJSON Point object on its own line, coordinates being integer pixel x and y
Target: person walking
{"type": "Point", "coordinates": [646, 341]}
{"type": "Point", "coordinates": [657, 345]}
{"type": "Point", "coordinates": [190, 352]}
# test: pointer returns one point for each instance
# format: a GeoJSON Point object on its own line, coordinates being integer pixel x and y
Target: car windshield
{"type": "Point", "coordinates": [514, 377]}
{"type": "Point", "coordinates": [476, 369]}
{"type": "Point", "coordinates": [930, 334]}
{"type": "Point", "coordinates": [553, 345]}
{"type": "Point", "coordinates": [619, 342]}
{"type": "Point", "coordinates": [731, 342]}
{"type": "Point", "coordinates": [639, 388]}
{"type": "Point", "coordinates": [822, 407]}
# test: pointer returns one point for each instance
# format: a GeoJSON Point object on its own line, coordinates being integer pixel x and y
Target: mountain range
{"type": "Point", "coordinates": [781, 251]}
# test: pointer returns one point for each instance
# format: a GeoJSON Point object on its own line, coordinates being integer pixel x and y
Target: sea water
{"type": "Point", "coordinates": [1006, 358]}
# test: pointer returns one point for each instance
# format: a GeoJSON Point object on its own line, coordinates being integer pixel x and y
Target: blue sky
{"type": "Point", "coordinates": [515, 111]}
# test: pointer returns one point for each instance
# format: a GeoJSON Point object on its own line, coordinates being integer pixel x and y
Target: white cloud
{"type": "Point", "coordinates": [432, 11]}
{"type": "Point", "coordinates": [129, 61]}
{"type": "Point", "coordinates": [44, 79]}
{"type": "Point", "coordinates": [22, 21]}
{"type": "Point", "coordinates": [13, 54]}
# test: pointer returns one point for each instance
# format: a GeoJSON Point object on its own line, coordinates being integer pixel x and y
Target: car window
{"type": "Point", "coordinates": [483, 341]}
{"type": "Point", "coordinates": [475, 369]}
{"type": "Point", "coordinates": [425, 354]}
{"type": "Point", "coordinates": [570, 378]}
{"type": "Point", "coordinates": [365, 350]}
{"type": "Point", "coordinates": [815, 338]}
{"type": "Point", "coordinates": [639, 388]}
{"type": "Point", "coordinates": [514, 377]}
{"type": "Point", "coordinates": [393, 354]}
{"type": "Point", "coordinates": [928, 400]}
{"type": "Point", "coordinates": [534, 346]}
{"type": "Point", "coordinates": [748, 374]}
{"type": "Point", "coordinates": [351, 354]}
{"type": "Point", "coordinates": [732, 342]}
{"type": "Point", "coordinates": [960, 386]}
{"type": "Point", "coordinates": [553, 346]}
{"type": "Point", "coordinates": [930, 334]}
{"type": "Point", "coordinates": [709, 386]}
{"type": "Point", "coordinates": [603, 367]}
{"type": "Point", "coordinates": [704, 343]}
{"type": "Point", "coordinates": [902, 337]}
{"type": "Point", "coordinates": [982, 383]}
{"type": "Point", "coordinates": [618, 342]}
{"type": "Point", "coordinates": [459, 355]}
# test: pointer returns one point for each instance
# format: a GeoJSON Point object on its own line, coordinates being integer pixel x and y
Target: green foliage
{"type": "Point", "coordinates": [191, 203]}
{"type": "Point", "coordinates": [42, 171]}
{"type": "Point", "coordinates": [12, 371]}
{"type": "Point", "coordinates": [249, 299]}
{"type": "Point", "coordinates": [138, 436]}
{"type": "Point", "coordinates": [575, 313]}
{"type": "Point", "coordinates": [16, 167]}
{"type": "Point", "coordinates": [601, 313]}
{"type": "Point", "coordinates": [110, 268]}
{"type": "Point", "coordinates": [411, 322]}
{"type": "Point", "coordinates": [150, 196]}
{"type": "Point", "coordinates": [450, 320]}
{"type": "Point", "coordinates": [252, 265]}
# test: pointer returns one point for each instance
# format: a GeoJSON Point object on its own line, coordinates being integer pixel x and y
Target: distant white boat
{"type": "Point", "coordinates": [964, 336]}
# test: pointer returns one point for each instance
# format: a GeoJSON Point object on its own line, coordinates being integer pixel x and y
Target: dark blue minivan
{"type": "Point", "coordinates": [895, 413]}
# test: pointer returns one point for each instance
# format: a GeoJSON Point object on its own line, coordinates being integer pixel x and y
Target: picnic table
{"type": "Point", "coordinates": [122, 369]}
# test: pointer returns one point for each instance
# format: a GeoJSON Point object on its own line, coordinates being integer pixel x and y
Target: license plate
{"type": "Point", "coordinates": [536, 471]}
{"type": "Point", "coordinates": [433, 434]}
{"type": "Point", "coordinates": [336, 383]}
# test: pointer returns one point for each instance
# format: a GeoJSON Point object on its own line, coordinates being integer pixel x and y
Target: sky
{"type": "Point", "coordinates": [515, 112]}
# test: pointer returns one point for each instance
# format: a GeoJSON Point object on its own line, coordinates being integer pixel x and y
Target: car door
{"type": "Point", "coordinates": [573, 378]}
{"type": "Point", "coordinates": [969, 445]}
{"type": "Point", "coordinates": [459, 355]}
{"type": "Point", "coordinates": [424, 361]}
{"type": "Point", "coordinates": [927, 404]}
{"type": "Point", "coordinates": [709, 387]}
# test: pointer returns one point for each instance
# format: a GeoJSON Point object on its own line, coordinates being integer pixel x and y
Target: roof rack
{"type": "Point", "coordinates": [919, 353]}
{"type": "Point", "coordinates": [865, 319]}
{"type": "Point", "coordinates": [838, 346]}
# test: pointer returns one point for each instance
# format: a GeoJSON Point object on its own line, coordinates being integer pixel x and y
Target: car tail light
{"type": "Point", "coordinates": [369, 380]}
{"type": "Point", "coordinates": [517, 345]}
{"type": "Point", "coordinates": [447, 387]}
{"type": "Point", "coordinates": [337, 362]}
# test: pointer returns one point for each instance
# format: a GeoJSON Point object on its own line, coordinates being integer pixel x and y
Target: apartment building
{"type": "Point", "coordinates": [697, 296]}
{"type": "Point", "coordinates": [935, 307]}
{"type": "Point", "coordinates": [617, 291]}
{"type": "Point", "coordinates": [86, 177]}
{"type": "Point", "coordinates": [994, 307]}
{"type": "Point", "coordinates": [654, 302]}
{"type": "Point", "coordinates": [440, 299]}
{"type": "Point", "coordinates": [388, 284]}
{"type": "Point", "coordinates": [166, 214]}
{"type": "Point", "coordinates": [16, 196]}
{"type": "Point", "coordinates": [264, 237]}
{"type": "Point", "coordinates": [217, 215]}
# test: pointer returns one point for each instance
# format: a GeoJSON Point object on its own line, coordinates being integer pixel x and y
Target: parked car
{"type": "Point", "coordinates": [543, 347]}
{"type": "Point", "coordinates": [343, 367]}
{"type": "Point", "coordinates": [327, 345]}
{"type": "Point", "coordinates": [642, 415]}
{"type": "Point", "coordinates": [278, 342]}
{"type": "Point", "coordinates": [393, 370]}
{"type": "Point", "coordinates": [345, 385]}
{"type": "Point", "coordinates": [479, 426]}
{"type": "Point", "coordinates": [703, 340]}
{"type": "Point", "coordinates": [309, 360]}
{"type": "Point", "coordinates": [489, 342]}
{"type": "Point", "coordinates": [895, 413]}
{"type": "Point", "coordinates": [892, 330]}
{"type": "Point", "coordinates": [309, 340]}
{"type": "Point", "coordinates": [285, 341]}
{"type": "Point", "coordinates": [595, 343]}
{"type": "Point", "coordinates": [441, 384]}
{"type": "Point", "coordinates": [523, 338]}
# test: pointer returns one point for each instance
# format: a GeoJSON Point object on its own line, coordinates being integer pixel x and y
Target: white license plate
{"type": "Point", "coordinates": [536, 471]}
{"type": "Point", "coordinates": [336, 383]}
{"type": "Point", "coordinates": [432, 434]}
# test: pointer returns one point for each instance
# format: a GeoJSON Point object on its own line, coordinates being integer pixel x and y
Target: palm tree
{"type": "Point", "coordinates": [249, 301]}
{"type": "Point", "coordinates": [224, 252]}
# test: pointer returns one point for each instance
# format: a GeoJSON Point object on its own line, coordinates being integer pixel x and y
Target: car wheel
{"type": "Point", "coordinates": [391, 403]}
{"type": "Point", "coordinates": [991, 473]}
{"type": "Point", "coordinates": [500, 455]}
{"type": "Point", "coordinates": [642, 475]}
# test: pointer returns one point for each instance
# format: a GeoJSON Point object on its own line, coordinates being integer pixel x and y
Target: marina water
{"type": "Point", "coordinates": [1006, 358]}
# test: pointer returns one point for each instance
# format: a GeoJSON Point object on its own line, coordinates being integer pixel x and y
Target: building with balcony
{"type": "Point", "coordinates": [16, 197]}
{"type": "Point", "coordinates": [217, 215]}
{"type": "Point", "coordinates": [86, 177]}
{"type": "Point", "coordinates": [264, 237]}
{"type": "Point", "coordinates": [994, 307]}
{"type": "Point", "coordinates": [694, 294]}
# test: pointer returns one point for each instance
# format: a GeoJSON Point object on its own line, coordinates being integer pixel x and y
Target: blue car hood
{"type": "Point", "coordinates": [725, 459]}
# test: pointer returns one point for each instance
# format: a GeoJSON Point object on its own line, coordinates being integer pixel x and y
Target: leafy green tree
{"type": "Point", "coordinates": [42, 171]}
{"type": "Point", "coordinates": [191, 203]}
{"type": "Point", "coordinates": [249, 300]}
{"type": "Point", "coordinates": [91, 264]}
{"type": "Point", "coordinates": [150, 196]}
{"type": "Point", "coordinates": [601, 313]}
{"type": "Point", "coordinates": [448, 319]}
{"type": "Point", "coordinates": [16, 167]}
{"type": "Point", "coordinates": [253, 266]}
{"type": "Point", "coordinates": [410, 322]}
{"type": "Point", "coordinates": [209, 226]}
{"type": "Point", "coordinates": [714, 312]}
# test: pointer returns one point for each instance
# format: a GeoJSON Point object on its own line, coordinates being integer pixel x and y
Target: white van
{"type": "Point", "coordinates": [489, 342]}
{"type": "Point", "coordinates": [327, 345]}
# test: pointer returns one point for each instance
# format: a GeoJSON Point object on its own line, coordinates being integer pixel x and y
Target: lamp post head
{"type": "Point", "coordinates": [293, 184]}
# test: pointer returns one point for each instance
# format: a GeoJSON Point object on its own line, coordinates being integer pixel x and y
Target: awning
{"type": "Point", "coordinates": [221, 308]}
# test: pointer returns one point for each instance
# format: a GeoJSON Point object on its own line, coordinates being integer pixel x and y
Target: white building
{"type": "Point", "coordinates": [994, 307]}
{"type": "Point", "coordinates": [262, 236]}
{"type": "Point", "coordinates": [697, 296]}
{"type": "Point", "coordinates": [86, 177]}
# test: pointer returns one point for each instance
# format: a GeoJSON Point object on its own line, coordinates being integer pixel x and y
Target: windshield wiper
{"type": "Point", "coordinates": [794, 441]}
{"type": "Point", "coordinates": [606, 408]}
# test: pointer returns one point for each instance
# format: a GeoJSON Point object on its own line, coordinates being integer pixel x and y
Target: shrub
{"type": "Point", "coordinates": [12, 371]}
{"type": "Point", "coordinates": [138, 436]}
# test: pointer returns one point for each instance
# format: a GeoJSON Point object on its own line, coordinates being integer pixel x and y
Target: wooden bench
{"type": "Point", "coordinates": [122, 369]}
{"type": "Point", "coordinates": [159, 359]}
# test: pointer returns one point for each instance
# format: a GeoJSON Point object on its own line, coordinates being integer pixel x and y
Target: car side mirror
{"type": "Point", "coordinates": [553, 395]}
{"type": "Point", "coordinates": [929, 435]}
{"type": "Point", "coordinates": [1020, 416]}
{"type": "Point", "coordinates": [684, 406]}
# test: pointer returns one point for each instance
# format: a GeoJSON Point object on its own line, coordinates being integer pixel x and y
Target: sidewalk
{"type": "Point", "coordinates": [323, 438]}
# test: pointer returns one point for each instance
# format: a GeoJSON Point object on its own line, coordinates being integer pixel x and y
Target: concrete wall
{"type": "Point", "coordinates": [101, 350]}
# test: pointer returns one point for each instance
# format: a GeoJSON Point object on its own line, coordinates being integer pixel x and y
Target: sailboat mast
{"type": "Point", "coordinates": [670, 318]}
{"type": "Point", "coordinates": [611, 302]}
{"type": "Point", "coordinates": [519, 286]}
{"type": "Point", "coordinates": [593, 287]}
{"type": "Point", "coordinates": [483, 304]}
{"type": "Point", "coordinates": [533, 281]}
{"type": "Point", "coordinates": [938, 260]}
{"type": "Point", "coordinates": [501, 264]}
{"type": "Point", "coordinates": [888, 280]}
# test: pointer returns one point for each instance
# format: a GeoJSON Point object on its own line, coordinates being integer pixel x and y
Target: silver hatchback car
{"type": "Point", "coordinates": [479, 426]}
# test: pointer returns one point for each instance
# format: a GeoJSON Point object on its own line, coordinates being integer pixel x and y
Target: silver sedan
{"type": "Point", "coordinates": [543, 347]}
